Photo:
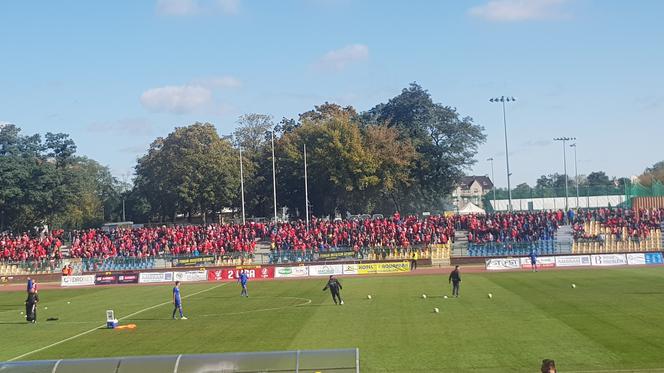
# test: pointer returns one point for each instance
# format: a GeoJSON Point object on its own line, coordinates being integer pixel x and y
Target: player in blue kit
{"type": "Point", "coordinates": [177, 301]}
{"type": "Point", "coordinates": [243, 279]}
{"type": "Point", "coordinates": [533, 261]}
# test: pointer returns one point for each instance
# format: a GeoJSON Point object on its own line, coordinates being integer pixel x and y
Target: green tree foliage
{"type": "Point", "coordinates": [445, 141]}
{"type": "Point", "coordinates": [655, 172]}
{"type": "Point", "coordinates": [46, 183]}
{"type": "Point", "coordinates": [351, 167]}
{"type": "Point", "coordinates": [191, 171]}
{"type": "Point", "coordinates": [598, 178]}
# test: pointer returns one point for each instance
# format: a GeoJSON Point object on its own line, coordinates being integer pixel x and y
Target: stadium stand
{"type": "Point", "coordinates": [395, 237]}
{"type": "Point", "coordinates": [618, 230]}
{"type": "Point", "coordinates": [505, 234]}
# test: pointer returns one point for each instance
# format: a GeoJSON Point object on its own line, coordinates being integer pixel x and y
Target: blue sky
{"type": "Point", "coordinates": [117, 74]}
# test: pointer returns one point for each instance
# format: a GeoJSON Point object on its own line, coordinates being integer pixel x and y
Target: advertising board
{"type": "Point", "coordinates": [573, 261]}
{"type": "Point", "coordinates": [542, 262]}
{"type": "Point", "coordinates": [636, 259]}
{"type": "Point", "coordinates": [190, 276]}
{"type": "Point", "coordinates": [388, 267]}
{"type": "Point", "coordinates": [326, 270]}
{"type": "Point", "coordinates": [196, 261]}
{"type": "Point", "coordinates": [111, 279]}
{"type": "Point", "coordinates": [101, 279]}
{"type": "Point", "coordinates": [231, 274]}
{"type": "Point", "coordinates": [334, 255]}
{"type": "Point", "coordinates": [287, 272]}
{"type": "Point", "coordinates": [155, 277]}
{"type": "Point", "coordinates": [608, 259]}
{"type": "Point", "coordinates": [130, 278]}
{"type": "Point", "coordinates": [84, 280]}
{"type": "Point", "coordinates": [350, 269]}
{"type": "Point", "coordinates": [498, 264]}
{"type": "Point", "coordinates": [654, 258]}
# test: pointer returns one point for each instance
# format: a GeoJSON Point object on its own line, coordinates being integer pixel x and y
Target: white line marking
{"type": "Point", "coordinates": [102, 325]}
{"type": "Point", "coordinates": [55, 367]}
{"type": "Point", "coordinates": [177, 364]}
{"type": "Point", "coordinates": [617, 370]}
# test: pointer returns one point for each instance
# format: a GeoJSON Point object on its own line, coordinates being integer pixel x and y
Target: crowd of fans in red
{"type": "Point", "coordinates": [23, 247]}
{"type": "Point", "coordinates": [511, 227]}
{"type": "Point", "coordinates": [322, 235]}
{"type": "Point", "coordinates": [176, 240]}
{"type": "Point", "coordinates": [395, 231]}
{"type": "Point", "coordinates": [638, 223]}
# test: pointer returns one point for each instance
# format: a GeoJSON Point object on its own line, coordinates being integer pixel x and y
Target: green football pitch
{"type": "Point", "coordinates": [612, 321]}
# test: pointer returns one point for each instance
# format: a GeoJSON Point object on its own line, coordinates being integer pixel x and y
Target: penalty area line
{"type": "Point", "coordinates": [102, 325]}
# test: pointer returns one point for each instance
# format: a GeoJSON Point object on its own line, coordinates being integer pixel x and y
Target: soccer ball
{"type": "Point", "coordinates": [369, 296]}
{"type": "Point", "coordinates": [490, 295]}
{"type": "Point", "coordinates": [68, 302]}
{"type": "Point", "coordinates": [436, 310]}
{"type": "Point", "coordinates": [45, 308]}
{"type": "Point", "coordinates": [445, 296]}
{"type": "Point", "coordinates": [573, 286]}
{"type": "Point", "coordinates": [424, 296]}
{"type": "Point", "coordinates": [21, 312]}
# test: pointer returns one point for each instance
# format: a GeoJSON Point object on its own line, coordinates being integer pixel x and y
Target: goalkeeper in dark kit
{"type": "Point", "coordinates": [335, 287]}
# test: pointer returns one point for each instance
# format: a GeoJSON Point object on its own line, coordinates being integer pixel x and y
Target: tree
{"type": "Point", "coordinates": [339, 166]}
{"type": "Point", "coordinates": [655, 172]}
{"type": "Point", "coordinates": [46, 183]}
{"type": "Point", "coordinates": [253, 132]}
{"type": "Point", "coordinates": [522, 190]}
{"type": "Point", "coordinates": [254, 136]}
{"type": "Point", "coordinates": [598, 178]}
{"type": "Point", "coordinates": [446, 143]}
{"type": "Point", "coordinates": [61, 147]}
{"type": "Point", "coordinates": [191, 171]}
{"type": "Point", "coordinates": [393, 159]}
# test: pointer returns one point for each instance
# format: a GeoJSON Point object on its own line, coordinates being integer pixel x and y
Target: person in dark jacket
{"type": "Point", "coordinates": [455, 280]}
{"type": "Point", "coordinates": [335, 287]}
{"type": "Point", "coordinates": [31, 306]}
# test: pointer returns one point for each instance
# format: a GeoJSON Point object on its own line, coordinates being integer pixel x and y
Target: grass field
{"type": "Point", "coordinates": [612, 321]}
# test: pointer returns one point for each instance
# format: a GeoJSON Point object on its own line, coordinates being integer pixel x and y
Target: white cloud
{"type": "Point", "coordinates": [195, 7]}
{"type": "Point", "coordinates": [339, 59]}
{"type": "Point", "coordinates": [231, 7]}
{"type": "Point", "coordinates": [519, 10]}
{"type": "Point", "coordinates": [176, 99]}
{"type": "Point", "coordinates": [225, 81]}
{"type": "Point", "coordinates": [178, 7]}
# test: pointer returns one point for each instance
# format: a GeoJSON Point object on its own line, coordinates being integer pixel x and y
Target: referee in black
{"type": "Point", "coordinates": [455, 280]}
{"type": "Point", "coordinates": [335, 286]}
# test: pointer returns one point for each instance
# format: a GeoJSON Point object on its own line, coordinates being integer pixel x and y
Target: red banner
{"type": "Point", "coordinates": [232, 274]}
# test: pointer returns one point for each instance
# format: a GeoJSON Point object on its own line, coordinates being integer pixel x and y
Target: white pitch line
{"type": "Point", "coordinates": [102, 325]}
{"type": "Point", "coordinates": [618, 370]}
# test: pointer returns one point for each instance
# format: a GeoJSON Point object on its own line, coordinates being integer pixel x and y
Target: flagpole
{"type": "Point", "coordinates": [306, 188]}
{"type": "Point", "coordinates": [274, 179]}
{"type": "Point", "coordinates": [242, 185]}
